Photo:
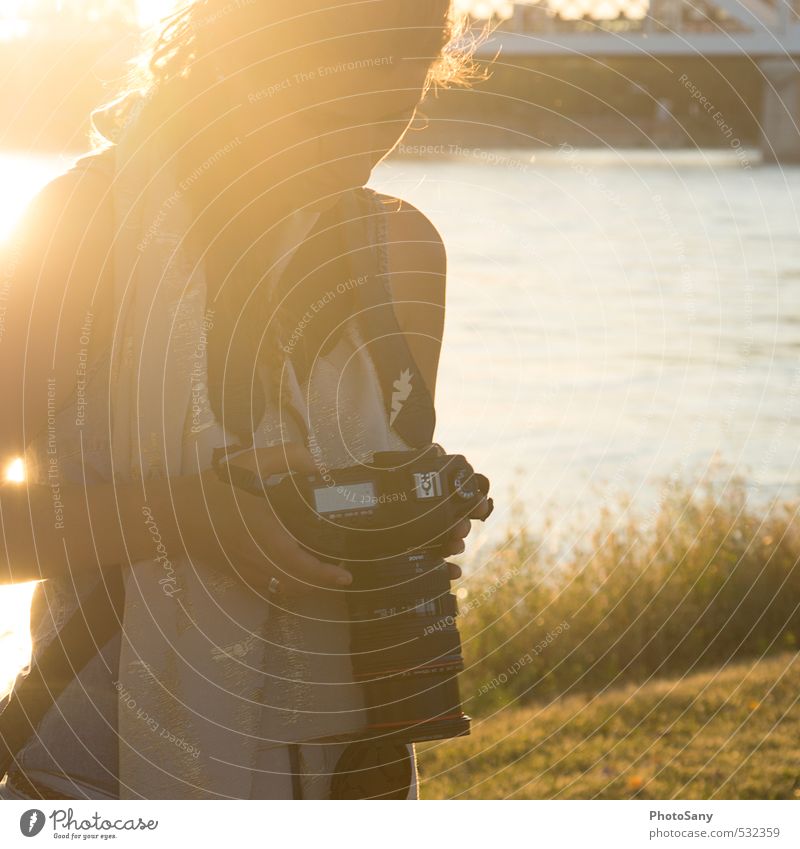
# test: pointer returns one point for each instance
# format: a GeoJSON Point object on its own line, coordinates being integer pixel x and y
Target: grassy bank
{"type": "Point", "coordinates": [729, 734]}
{"type": "Point", "coordinates": [704, 580]}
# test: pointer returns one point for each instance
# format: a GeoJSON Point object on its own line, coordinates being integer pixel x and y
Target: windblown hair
{"type": "Point", "coordinates": [175, 46]}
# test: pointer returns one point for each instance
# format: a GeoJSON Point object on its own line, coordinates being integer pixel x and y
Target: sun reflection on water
{"type": "Point", "coordinates": [15, 640]}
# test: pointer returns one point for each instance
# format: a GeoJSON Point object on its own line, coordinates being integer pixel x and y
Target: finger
{"type": "Point", "coordinates": [287, 556]}
{"type": "Point", "coordinates": [462, 529]}
{"type": "Point", "coordinates": [297, 458]}
{"type": "Point", "coordinates": [286, 457]}
{"type": "Point", "coordinates": [298, 564]}
{"type": "Point", "coordinates": [481, 511]}
{"type": "Point", "coordinates": [455, 571]}
{"type": "Point", "coordinates": [454, 546]}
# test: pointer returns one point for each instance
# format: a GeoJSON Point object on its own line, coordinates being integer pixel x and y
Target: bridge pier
{"type": "Point", "coordinates": [780, 111]}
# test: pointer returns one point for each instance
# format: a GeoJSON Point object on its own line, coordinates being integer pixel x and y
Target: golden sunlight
{"type": "Point", "coordinates": [151, 11]}
{"type": "Point", "coordinates": [15, 471]}
{"type": "Point", "coordinates": [15, 639]}
{"type": "Point", "coordinates": [15, 605]}
{"type": "Point", "coordinates": [17, 16]}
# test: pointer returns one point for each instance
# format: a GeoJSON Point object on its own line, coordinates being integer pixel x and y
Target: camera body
{"type": "Point", "coordinates": [388, 521]}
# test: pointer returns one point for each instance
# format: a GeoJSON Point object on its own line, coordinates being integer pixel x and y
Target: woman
{"type": "Point", "coordinates": [200, 291]}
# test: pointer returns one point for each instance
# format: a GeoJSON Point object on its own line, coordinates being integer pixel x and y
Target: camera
{"type": "Point", "coordinates": [388, 521]}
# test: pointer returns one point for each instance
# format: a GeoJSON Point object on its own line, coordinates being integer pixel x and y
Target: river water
{"type": "Point", "coordinates": [614, 318]}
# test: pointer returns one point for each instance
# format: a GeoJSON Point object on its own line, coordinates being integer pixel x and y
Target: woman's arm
{"type": "Point", "coordinates": [54, 273]}
{"type": "Point", "coordinates": [418, 265]}
{"type": "Point", "coordinates": [95, 526]}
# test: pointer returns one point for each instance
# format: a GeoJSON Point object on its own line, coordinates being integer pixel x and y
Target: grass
{"type": "Point", "coordinates": [706, 579]}
{"type": "Point", "coordinates": [729, 734]}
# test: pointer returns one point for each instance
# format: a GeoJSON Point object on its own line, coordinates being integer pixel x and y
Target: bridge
{"type": "Point", "coordinates": [765, 31]}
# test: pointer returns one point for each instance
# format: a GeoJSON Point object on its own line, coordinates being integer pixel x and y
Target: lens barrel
{"type": "Point", "coordinates": [406, 649]}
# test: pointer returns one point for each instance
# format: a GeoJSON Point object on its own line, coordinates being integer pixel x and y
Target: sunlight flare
{"type": "Point", "coordinates": [15, 471]}
{"type": "Point", "coordinates": [15, 636]}
{"type": "Point", "coordinates": [150, 12]}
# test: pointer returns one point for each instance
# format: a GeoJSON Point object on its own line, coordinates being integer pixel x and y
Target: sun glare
{"type": "Point", "coordinates": [16, 16]}
{"type": "Point", "coordinates": [15, 471]}
{"type": "Point", "coordinates": [151, 11]}
{"type": "Point", "coordinates": [15, 636]}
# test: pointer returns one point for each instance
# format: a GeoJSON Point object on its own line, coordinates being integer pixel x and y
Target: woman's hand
{"type": "Point", "coordinates": [246, 536]}
{"type": "Point", "coordinates": [460, 532]}
{"type": "Point", "coordinates": [244, 533]}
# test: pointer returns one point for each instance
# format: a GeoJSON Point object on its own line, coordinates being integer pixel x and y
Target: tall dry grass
{"type": "Point", "coordinates": [706, 579]}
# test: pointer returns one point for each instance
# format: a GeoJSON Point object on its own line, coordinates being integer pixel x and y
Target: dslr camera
{"type": "Point", "coordinates": [388, 522]}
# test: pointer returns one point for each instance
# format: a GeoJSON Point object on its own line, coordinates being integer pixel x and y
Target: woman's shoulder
{"type": "Point", "coordinates": [55, 273]}
{"type": "Point", "coordinates": [72, 209]}
{"type": "Point", "coordinates": [412, 235]}
{"type": "Point", "coordinates": [417, 257]}
{"type": "Point", "coordinates": [63, 237]}
{"type": "Point", "coordinates": [417, 267]}
{"type": "Point", "coordinates": [88, 178]}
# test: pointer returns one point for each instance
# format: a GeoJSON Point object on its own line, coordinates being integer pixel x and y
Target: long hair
{"type": "Point", "coordinates": [176, 59]}
{"type": "Point", "coordinates": [172, 49]}
{"type": "Point", "coordinates": [172, 46]}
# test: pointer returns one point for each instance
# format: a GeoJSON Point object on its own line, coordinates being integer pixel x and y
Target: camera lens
{"type": "Point", "coordinates": [406, 648]}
